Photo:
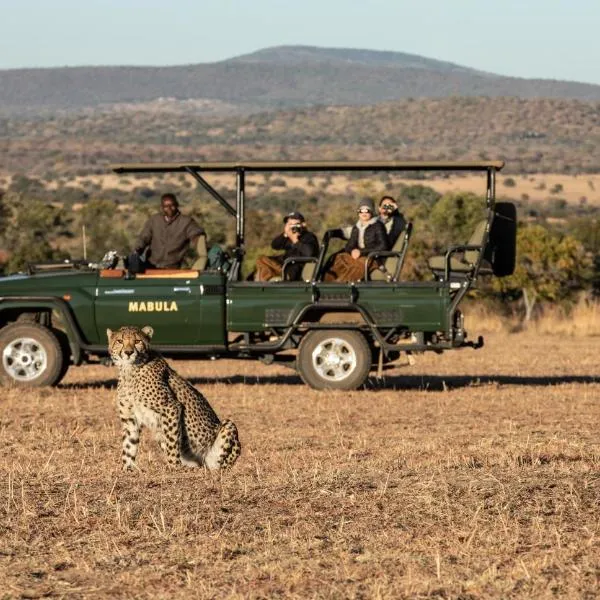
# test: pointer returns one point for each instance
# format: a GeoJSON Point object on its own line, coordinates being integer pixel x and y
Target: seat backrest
{"type": "Point", "coordinates": [471, 256]}
{"type": "Point", "coordinates": [202, 252]}
{"type": "Point", "coordinates": [308, 271]}
{"type": "Point", "coordinates": [391, 262]}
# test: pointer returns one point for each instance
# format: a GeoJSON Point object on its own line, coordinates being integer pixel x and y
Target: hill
{"type": "Point", "coordinates": [274, 78]}
{"type": "Point", "coordinates": [535, 135]}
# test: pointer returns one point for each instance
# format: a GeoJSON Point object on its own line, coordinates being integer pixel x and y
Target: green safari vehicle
{"type": "Point", "coordinates": [334, 334]}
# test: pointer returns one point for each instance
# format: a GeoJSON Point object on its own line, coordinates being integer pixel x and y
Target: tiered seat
{"type": "Point", "coordinates": [463, 265]}
{"type": "Point", "coordinates": [394, 258]}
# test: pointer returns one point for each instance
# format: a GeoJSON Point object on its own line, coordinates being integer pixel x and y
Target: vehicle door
{"type": "Point", "coordinates": [184, 307]}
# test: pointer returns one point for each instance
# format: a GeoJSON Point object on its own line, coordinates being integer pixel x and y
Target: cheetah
{"type": "Point", "coordinates": [151, 394]}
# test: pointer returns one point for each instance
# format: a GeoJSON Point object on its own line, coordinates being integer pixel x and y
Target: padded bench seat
{"type": "Point", "coordinates": [168, 274]}
{"type": "Point", "coordinates": [152, 274]}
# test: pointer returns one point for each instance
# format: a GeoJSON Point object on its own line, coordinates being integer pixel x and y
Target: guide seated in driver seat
{"type": "Point", "coordinates": [297, 242]}
{"type": "Point", "coordinates": [167, 235]}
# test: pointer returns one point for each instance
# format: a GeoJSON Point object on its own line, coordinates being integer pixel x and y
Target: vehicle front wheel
{"type": "Point", "coordinates": [31, 355]}
{"type": "Point", "coordinates": [334, 359]}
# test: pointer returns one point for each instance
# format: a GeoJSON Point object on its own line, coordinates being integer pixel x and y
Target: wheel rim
{"type": "Point", "coordinates": [334, 359]}
{"type": "Point", "coordinates": [24, 359]}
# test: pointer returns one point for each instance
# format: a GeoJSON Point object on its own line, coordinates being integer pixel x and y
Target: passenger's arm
{"type": "Point", "coordinates": [352, 243]}
{"type": "Point", "coordinates": [144, 238]}
{"type": "Point", "coordinates": [279, 242]}
{"type": "Point", "coordinates": [193, 231]}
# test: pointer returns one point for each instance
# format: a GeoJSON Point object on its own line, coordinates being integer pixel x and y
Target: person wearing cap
{"type": "Point", "coordinates": [295, 241]}
{"type": "Point", "coordinates": [367, 235]}
{"type": "Point", "coordinates": [393, 220]}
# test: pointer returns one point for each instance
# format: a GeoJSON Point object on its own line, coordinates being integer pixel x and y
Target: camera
{"type": "Point", "coordinates": [389, 207]}
{"type": "Point", "coordinates": [297, 228]}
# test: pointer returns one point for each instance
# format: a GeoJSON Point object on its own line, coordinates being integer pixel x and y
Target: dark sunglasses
{"type": "Point", "coordinates": [364, 211]}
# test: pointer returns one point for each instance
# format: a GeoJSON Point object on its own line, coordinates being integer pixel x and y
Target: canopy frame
{"type": "Point", "coordinates": [490, 167]}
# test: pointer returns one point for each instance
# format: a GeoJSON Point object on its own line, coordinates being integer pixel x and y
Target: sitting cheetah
{"type": "Point", "coordinates": [150, 393]}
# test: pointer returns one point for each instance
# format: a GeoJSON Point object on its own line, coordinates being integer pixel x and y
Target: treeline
{"type": "Point", "coordinates": [558, 244]}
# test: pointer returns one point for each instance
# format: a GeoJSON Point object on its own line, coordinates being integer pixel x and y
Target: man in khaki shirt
{"type": "Point", "coordinates": [166, 236]}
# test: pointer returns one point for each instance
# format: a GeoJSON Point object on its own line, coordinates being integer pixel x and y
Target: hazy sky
{"type": "Point", "coordinates": [557, 39]}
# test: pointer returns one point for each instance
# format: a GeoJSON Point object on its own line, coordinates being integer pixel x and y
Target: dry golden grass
{"type": "Point", "coordinates": [581, 320]}
{"type": "Point", "coordinates": [468, 475]}
{"type": "Point", "coordinates": [535, 187]}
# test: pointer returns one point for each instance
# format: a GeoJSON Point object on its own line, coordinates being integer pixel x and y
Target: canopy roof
{"type": "Point", "coordinates": [316, 165]}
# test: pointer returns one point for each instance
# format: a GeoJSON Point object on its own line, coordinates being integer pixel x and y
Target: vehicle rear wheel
{"type": "Point", "coordinates": [31, 355]}
{"type": "Point", "coordinates": [334, 359]}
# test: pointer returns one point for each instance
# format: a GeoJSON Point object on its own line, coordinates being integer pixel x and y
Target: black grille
{"type": "Point", "coordinates": [277, 316]}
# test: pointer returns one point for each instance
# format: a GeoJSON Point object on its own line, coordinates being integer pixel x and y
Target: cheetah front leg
{"type": "Point", "coordinates": [131, 438]}
{"type": "Point", "coordinates": [170, 432]}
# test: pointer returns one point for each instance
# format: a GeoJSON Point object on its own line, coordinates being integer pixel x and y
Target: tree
{"type": "Point", "coordinates": [99, 217]}
{"type": "Point", "coordinates": [549, 267]}
{"type": "Point", "coordinates": [28, 237]}
{"type": "Point", "coordinates": [454, 217]}
{"type": "Point", "coordinates": [418, 193]}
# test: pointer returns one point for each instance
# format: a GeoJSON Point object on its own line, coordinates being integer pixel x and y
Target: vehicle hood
{"type": "Point", "coordinates": [45, 284]}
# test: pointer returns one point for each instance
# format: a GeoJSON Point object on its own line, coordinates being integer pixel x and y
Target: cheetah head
{"type": "Point", "coordinates": [129, 345]}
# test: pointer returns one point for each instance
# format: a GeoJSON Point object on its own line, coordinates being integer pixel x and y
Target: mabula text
{"type": "Point", "coordinates": [153, 306]}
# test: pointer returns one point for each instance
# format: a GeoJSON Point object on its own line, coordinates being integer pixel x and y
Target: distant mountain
{"type": "Point", "coordinates": [273, 78]}
{"type": "Point", "coordinates": [299, 55]}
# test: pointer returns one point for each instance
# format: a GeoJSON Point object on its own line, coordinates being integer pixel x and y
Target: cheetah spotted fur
{"type": "Point", "coordinates": [151, 394]}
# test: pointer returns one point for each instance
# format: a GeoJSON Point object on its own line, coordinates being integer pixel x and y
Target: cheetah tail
{"type": "Point", "coordinates": [225, 449]}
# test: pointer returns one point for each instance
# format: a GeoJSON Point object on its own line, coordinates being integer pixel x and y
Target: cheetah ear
{"type": "Point", "coordinates": [148, 331]}
{"type": "Point", "coordinates": [109, 333]}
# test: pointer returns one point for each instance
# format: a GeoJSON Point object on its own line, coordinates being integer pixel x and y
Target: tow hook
{"type": "Point", "coordinates": [475, 345]}
{"type": "Point", "coordinates": [478, 344]}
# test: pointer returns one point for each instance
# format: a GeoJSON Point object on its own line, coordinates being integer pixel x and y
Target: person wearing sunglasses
{"type": "Point", "coordinates": [367, 235]}
{"type": "Point", "coordinates": [393, 220]}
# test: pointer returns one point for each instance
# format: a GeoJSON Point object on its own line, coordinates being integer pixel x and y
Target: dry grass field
{"type": "Point", "coordinates": [541, 187]}
{"type": "Point", "coordinates": [468, 475]}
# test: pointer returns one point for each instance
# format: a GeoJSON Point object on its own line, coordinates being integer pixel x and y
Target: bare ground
{"type": "Point", "coordinates": [468, 475]}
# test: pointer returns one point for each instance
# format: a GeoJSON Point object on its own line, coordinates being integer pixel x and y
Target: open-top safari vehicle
{"type": "Point", "coordinates": [55, 317]}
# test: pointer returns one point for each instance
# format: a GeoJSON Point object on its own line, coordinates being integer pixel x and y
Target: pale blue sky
{"type": "Point", "coordinates": [558, 39]}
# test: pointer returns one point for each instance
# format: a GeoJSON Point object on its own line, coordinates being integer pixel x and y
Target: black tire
{"type": "Point", "coordinates": [348, 367]}
{"type": "Point", "coordinates": [63, 340]}
{"type": "Point", "coordinates": [37, 358]}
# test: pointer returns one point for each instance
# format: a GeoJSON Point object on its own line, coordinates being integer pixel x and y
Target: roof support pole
{"type": "Point", "coordinates": [491, 187]}
{"type": "Point", "coordinates": [240, 199]}
{"type": "Point", "coordinates": [211, 190]}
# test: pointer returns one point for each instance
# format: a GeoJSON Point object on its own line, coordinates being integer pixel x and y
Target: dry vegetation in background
{"type": "Point", "coordinates": [539, 188]}
{"type": "Point", "coordinates": [581, 319]}
{"type": "Point", "coordinates": [532, 135]}
{"type": "Point", "coordinates": [468, 475]}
